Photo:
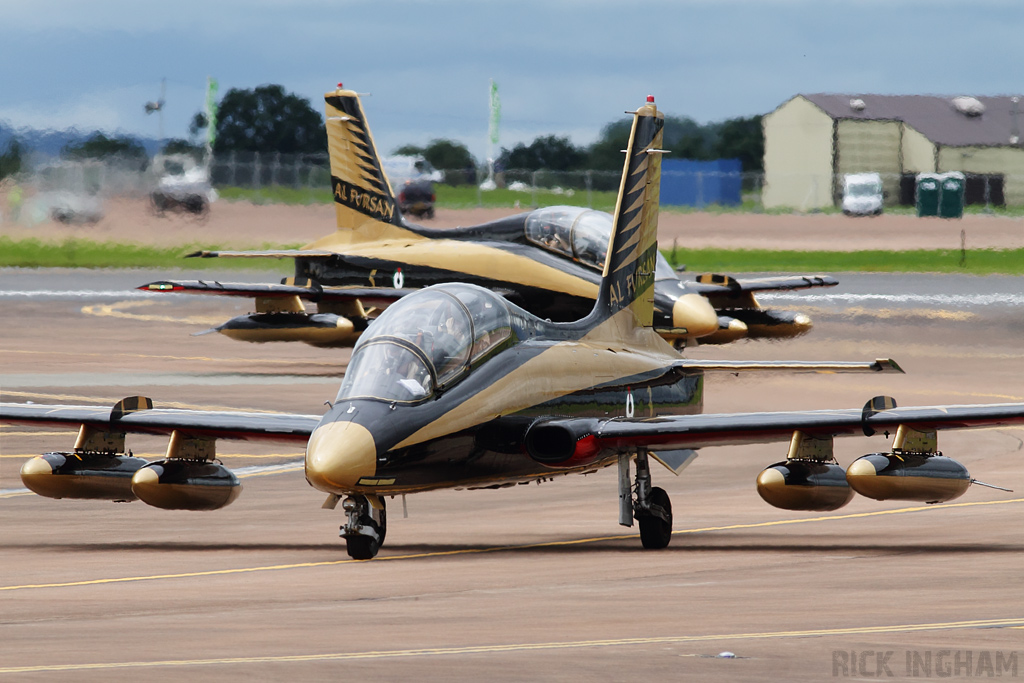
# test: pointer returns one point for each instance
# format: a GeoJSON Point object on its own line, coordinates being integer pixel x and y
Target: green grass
{"type": "Point", "coordinates": [448, 197]}
{"type": "Point", "coordinates": [276, 194]}
{"type": "Point", "coordinates": [468, 197]}
{"type": "Point", "coordinates": [80, 253]}
{"type": "Point", "coordinates": [977, 261]}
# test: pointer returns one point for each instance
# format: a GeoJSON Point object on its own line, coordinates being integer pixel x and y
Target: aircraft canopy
{"type": "Point", "coordinates": [425, 341]}
{"type": "Point", "coordinates": [573, 231]}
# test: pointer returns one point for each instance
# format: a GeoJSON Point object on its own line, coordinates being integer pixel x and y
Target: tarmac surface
{"type": "Point", "coordinates": [531, 582]}
{"type": "Point", "coordinates": [243, 225]}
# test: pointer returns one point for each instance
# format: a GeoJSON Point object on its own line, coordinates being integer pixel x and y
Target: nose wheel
{"type": "Point", "coordinates": [366, 527]}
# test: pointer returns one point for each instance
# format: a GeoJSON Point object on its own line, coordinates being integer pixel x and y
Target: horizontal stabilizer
{"type": "Point", "coordinates": [724, 284]}
{"type": "Point", "coordinates": [879, 365]}
{"type": "Point", "coordinates": [369, 296]}
{"type": "Point", "coordinates": [271, 253]}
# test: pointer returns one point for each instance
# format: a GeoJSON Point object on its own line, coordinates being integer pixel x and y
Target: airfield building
{"type": "Point", "coordinates": [812, 141]}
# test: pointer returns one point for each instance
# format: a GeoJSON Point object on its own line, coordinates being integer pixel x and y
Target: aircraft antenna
{"type": "Point", "coordinates": [991, 486]}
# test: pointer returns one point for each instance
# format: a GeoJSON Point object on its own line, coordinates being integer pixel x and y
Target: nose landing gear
{"type": "Point", "coordinates": [366, 527]}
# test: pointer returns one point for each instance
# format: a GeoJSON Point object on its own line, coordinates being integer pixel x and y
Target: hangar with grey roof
{"type": "Point", "coordinates": [812, 141]}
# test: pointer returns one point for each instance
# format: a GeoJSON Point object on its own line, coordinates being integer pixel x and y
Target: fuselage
{"type": "Point", "coordinates": [472, 433]}
{"type": "Point", "coordinates": [507, 257]}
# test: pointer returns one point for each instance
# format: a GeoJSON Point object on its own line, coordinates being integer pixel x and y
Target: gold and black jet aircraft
{"type": "Point", "coordinates": [455, 386]}
{"type": "Point", "coordinates": [548, 261]}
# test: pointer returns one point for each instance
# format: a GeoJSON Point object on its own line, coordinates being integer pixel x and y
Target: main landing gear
{"type": "Point", "coordinates": [366, 527]}
{"type": "Point", "coordinates": [649, 505]}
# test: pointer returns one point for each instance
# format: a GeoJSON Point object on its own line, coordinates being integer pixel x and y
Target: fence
{"type": "Point", "coordinates": [309, 174]}
{"type": "Point", "coordinates": [312, 172]}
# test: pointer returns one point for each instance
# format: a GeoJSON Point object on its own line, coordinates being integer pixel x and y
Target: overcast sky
{"type": "Point", "coordinates": [564, 67]}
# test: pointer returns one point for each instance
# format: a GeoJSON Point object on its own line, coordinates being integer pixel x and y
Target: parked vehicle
{"type": "Point", "coordinates": [413, 179]}
{"type": "Point", "coordinates": [862, 194]}
{"type": "Point", "coordinates": [183, 185]}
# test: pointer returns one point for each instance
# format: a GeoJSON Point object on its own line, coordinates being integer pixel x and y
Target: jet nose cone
{"type": "Point", "coordinates": [338, 455]}
{"type": "Point", "coordinates": [696, 314]}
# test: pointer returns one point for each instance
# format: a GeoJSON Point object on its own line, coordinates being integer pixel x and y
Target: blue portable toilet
{"type": "Point", "coordinates": [699, 183]}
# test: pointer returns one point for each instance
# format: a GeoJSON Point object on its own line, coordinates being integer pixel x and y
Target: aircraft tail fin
{"type": "Point", "coordinates": [628, 279]}
{"type": "Point", "coordinates": [364, 200]}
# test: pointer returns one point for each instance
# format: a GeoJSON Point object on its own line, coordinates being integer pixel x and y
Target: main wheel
{"type": "Point", "coordinates": [655, 532]}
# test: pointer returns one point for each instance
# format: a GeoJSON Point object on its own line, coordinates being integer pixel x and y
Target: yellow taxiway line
{"type": "Point", "coordinates": [528, 647]}
{"type": "Point", "coordinates": [116, 310]}
{"type": "Point", "coordinates": [497, 549]}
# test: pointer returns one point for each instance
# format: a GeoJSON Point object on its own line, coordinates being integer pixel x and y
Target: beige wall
{"type": "Point", "coordinates": [1006, 160]}
{"type": "Point", "coordinates": [797, 156]}
{"type": "Point", "coordinates": [918, 152]}
{"type": "Point", "coordinates": [869, 147]}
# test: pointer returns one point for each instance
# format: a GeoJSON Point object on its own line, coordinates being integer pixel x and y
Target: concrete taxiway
{"type": "Point", "coordinates": [522, 583]}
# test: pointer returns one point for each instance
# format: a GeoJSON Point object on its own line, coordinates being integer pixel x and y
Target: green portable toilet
{"type": "Point", "coordinates": [926, 194]}
{"type": "Point", "coordinates": [951, 195]}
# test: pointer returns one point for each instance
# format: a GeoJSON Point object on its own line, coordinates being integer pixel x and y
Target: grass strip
{"type": "Point", "coordinates": [973, 261]}
{"type": "Point", "coordinates": [82, 253]}
{"type": "Point", "coordinates": [469, 197]}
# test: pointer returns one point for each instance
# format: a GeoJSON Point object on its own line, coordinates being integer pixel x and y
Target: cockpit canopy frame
{"type": "Point", "coordinates": [576, 232]}
{"type": "Point", "coordinates": [425, 343]}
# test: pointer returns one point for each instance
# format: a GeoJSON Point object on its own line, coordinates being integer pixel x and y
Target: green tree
{"type": "Point", "coordinates": [687, 139]}
{"type": "Point", "coordinates": [548, 152]}
{"type": "Point", "coordinates": [182, 146]}
{"type": "Point", "coordinates": [449, 154]}
{"type": "Point", "coordinates": [99, 146]}
{"type": "Point", "coordinates": [605, 154]}
{"type": "Point", "coordinates": [11, 159]}
{"type": "Point", "coordinates": [199, 123]}
{"type": "Point", "coordinates": [409, 151]}
{"type": "Point", "coordinates": [743, 139]}
{"type": "Point", "coordinates": [267, 119]}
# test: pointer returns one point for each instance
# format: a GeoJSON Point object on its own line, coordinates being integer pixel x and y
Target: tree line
{"type": "Point", "coordinates": [268, 119]}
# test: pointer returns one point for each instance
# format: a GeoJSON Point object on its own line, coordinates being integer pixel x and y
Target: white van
{"type": "Point", "coordinates": [862, 194]}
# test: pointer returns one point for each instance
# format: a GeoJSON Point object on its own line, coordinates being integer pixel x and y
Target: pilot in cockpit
{"type": "Point", "coordinates": [409, 372]}
{"type": "Point", "coordinates": [553, 240]}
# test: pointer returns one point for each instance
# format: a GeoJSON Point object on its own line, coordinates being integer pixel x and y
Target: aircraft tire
{"type": "Point", "coordinates": [655, 533]}
{"type": "Point", "coordinates": [361, 547]}
{"type": "Point", "coordinates": [366, 547]}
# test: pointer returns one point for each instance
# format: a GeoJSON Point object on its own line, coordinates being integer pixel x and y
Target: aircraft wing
{"type": "Point", "coordinates": [370, 296]}
{"type": "Point", "coordinates": [278, 427]}
{"type": "Point", "coordinates": [270, 253]}
{"type": "Point", "coordinates": [699, 431]}
{"type": "Point", "coordinates": [711, 284]}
